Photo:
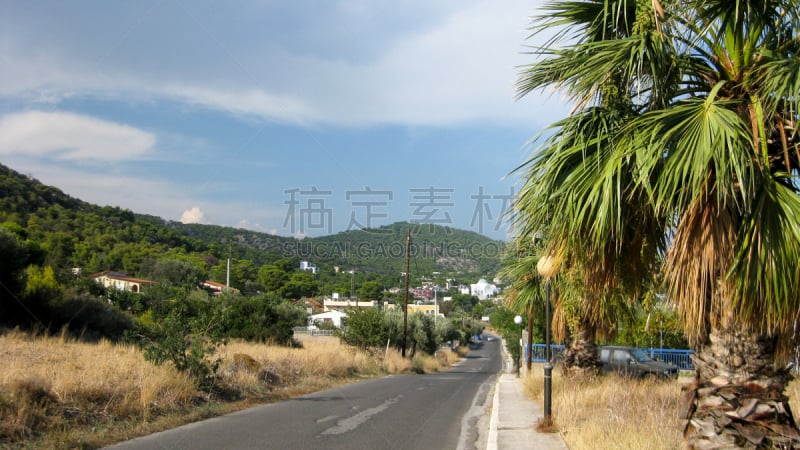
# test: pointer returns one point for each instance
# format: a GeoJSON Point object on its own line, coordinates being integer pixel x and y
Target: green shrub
{"type": "Point", "coordinates": [263, 318]}
{"type": "Point", "coordinates": [364, 328]}
{"type": "Point", "coordinates": [185, 332]}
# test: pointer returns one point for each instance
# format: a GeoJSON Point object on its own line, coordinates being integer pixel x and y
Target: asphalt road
{"type": "Point", "coordinates": [436, 411]}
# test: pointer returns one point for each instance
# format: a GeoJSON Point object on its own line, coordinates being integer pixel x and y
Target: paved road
{"type": "Point", "coordinates": [437, 411]}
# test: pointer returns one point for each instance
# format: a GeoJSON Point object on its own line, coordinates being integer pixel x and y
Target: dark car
{"type": "Point", "coordinates": [635, 363]}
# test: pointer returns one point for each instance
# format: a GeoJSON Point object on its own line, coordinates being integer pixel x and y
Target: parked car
{"type": "Point", "coordinates": [634, 362]}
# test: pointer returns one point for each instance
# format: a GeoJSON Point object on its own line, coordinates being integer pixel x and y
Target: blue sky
{"type": "Point", "coordinates": [293, 118]}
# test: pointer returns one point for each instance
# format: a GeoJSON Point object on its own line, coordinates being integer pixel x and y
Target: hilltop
{"type": "Point", "coordinates": [75, 233]}
{"type": "Point", "coordinates": [433, 249]}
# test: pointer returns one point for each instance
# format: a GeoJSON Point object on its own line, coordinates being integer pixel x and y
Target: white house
{"type": "Point", "coordinates": [330, 304]}
{"type": "Point", "coordinates": [121, 281]}
{"type": "Point", "coordinates": [483, 290]}
{"type": "Point", "coordinates": [309, 267]}
{"type": "Point", "coordinates": [332, 316]}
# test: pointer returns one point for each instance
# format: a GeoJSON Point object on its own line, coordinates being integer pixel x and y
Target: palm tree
{"type": "Point", "coordinates": [575, 188]}
{"type": "Point", "coordinates": [684, 143]}
{"type": "Point", "coordinates": [525, 291]}
{"type": "Point", "coordinates": [582, 316]}
{"type": "Point", "coordinates": [578, 320]}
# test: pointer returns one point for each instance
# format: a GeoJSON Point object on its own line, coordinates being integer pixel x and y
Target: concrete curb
{"type": "Point", "coordinates": [508, 367]}
{"type": "Point", "coordinates": [491, 442]}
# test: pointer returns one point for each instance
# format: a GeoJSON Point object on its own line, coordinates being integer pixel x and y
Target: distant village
{"type": "Point", "coordinates": [329, 309]}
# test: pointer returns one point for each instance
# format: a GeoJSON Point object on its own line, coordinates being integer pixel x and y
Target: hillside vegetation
{"type": "Point", "coordinates": [72, 233]}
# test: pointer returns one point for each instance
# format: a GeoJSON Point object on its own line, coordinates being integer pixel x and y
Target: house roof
{"type": "Point", "coordinates": [122, 276]}
{"type": "Point", "coordinates": [330, 313]}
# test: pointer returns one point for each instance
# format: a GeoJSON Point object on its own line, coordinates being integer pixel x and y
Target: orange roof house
{"type": "Point", "coordinates": [217, 288]}
{"type": "Point", "coordinates": [121, 281]}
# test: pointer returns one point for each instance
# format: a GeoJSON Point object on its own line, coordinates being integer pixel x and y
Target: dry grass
{"type": "Point", "coordinates": [618, 413]}
{"type": "Point", "coordinates": [612, 412]}
{"type": "Point", "coordinates": [56, 392]}
{"type": "Point", "coordinates": [793, 391]}
{"type": "Point", "coordinates": [55, 384]}
{"type": "Point", "coordinates": [394, 362]}
{"type": "Point", "coordinates": [281, 372]}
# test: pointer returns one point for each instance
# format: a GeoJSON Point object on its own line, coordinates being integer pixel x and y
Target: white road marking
{"type": "Point", "coordinates": [351, 423]}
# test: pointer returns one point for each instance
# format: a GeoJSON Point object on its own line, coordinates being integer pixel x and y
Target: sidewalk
{"type": "Point", "coordinates": [514, 417]}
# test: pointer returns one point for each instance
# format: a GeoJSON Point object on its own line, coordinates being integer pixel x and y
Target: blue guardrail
{"type": "Point", "coordinates": [680, 358]}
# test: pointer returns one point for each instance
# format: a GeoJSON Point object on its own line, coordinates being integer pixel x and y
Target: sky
{"type": "Point", "coordinates": [300, 118]}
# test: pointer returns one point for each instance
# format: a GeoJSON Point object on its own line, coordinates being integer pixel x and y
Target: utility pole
{"type": "Point", "coordinates": [405, 302]}
{"type": "Point", "coordinates": [435, 304]}
{"type": "Point", "coordinates": [228, 270]}
{"type": "Point", "coordinates": [353, 286]}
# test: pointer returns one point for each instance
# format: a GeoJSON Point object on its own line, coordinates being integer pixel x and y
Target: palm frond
{"type": "Point", "coordinates": [766, 271]}
{"type": "Point", "coordinates": [695, 142]}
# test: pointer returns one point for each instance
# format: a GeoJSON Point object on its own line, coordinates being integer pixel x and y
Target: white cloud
{"type": "Point", "coordinates": [255, 102]}
{"type": "Point", "coordinates": [247, 225]}
{"type": "Point", "coordinates": [194, 215]}
{"type": "Point", "coordinates": [459, 67]}
{"type": "Point", "coordinates": [70, 136]}
{"type": "Point", "coordinates": [463, 70]}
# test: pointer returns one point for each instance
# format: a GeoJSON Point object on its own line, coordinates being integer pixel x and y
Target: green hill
{"type": "Point", "coordinates": [433, 249]}
{"type": "Point", "coordinates": [74, 233]}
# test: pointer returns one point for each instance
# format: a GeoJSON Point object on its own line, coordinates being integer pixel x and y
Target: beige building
{"type": "Point", "coordinates": [331, 304]}
{"type": "Point", "coordinates": [425, 309]}
{"type": "Point", "coordinates": [121, 281]}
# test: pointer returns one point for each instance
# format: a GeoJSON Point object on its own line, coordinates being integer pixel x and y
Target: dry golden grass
{"type": "Point", "coordinates": [54, 383]}
{"type": "Point", "coordinates": [393, 362]}
{"type": "Point", "coordinates": [282, 372]}
{"type": "Point", "coordinates": [56, 392]}
{"type": "Point", "coordinates": [612, 412]}
{"type": "Point", "coordinates": [793, 391]}
{"type": "Point", "coordinates": [618, 413]}
{"type": "Point", "coordinates": [425, 363]}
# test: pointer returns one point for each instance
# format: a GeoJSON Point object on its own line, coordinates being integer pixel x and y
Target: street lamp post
{"type": "Point", "coordinates": [547, 268]}
{"type": "Point", "coordinates": [518, 321]}
{"type": "Point", "coordinates": [548, 363]}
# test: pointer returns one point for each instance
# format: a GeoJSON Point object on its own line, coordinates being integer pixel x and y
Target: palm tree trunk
{"type": "Point", "coordinates": [580, 353]}
{"type": "Point", "coordinates": [737, 399]}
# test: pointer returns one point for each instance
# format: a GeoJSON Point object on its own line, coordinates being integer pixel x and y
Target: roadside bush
{"type": "Point", "coordinates": [502, 319]}
{"type": "Point", "coordinates": [445, 331]}
{"type": "Point", "coordinates": [364, 328]}
{"type": "Point", "coordinates": [86, 315]}
{"type": "Point", "coordinates": [186, 333]}
{"type": "Point", "coordinates": [421, 334]}
{"type": "Point", "coordinates": [263, 319]}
